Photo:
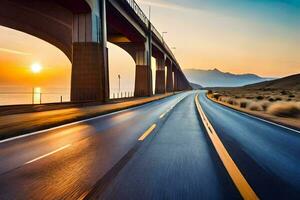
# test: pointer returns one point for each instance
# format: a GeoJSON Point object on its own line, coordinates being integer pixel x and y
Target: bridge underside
{"type": "Point", "coordinates": [81, 32]}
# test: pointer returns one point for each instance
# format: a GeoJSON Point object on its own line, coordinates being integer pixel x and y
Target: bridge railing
{"type": "Point", "coordinates": [136, 8]}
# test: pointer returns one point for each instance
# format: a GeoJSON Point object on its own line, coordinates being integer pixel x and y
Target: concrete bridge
{"type": "Point", "coordinates": [81, 29]}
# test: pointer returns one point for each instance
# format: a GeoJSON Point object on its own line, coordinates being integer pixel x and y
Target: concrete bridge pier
{"type": "Point", "coordinates": [143, 72]}
{"type": "Point", "coordinates": [160, 84]}
{"type": "Point", "coordinates": [170, 81]}
{"type": "Point", "coordinates": [176, 79]}
{"type": "Point", "coordinates": [89, 81]}
{"type": "Point", "coordinates": [180, 83]}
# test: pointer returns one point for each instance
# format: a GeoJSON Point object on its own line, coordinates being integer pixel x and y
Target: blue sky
{"type": "Point", "coordinates": [258, 36]}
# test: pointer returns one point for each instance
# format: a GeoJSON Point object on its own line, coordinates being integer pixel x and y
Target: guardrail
{"type": "Point", "coordinates": [138, 11]}
{"type": "Point", "coordinates": [136, 8]}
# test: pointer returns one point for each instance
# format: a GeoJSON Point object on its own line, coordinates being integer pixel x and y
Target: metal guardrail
{"type": "Point", "coordinates": [145, 20]}
{"type": "Point", "coordinates": [138, 11]}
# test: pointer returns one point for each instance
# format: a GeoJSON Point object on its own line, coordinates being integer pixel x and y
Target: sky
{"type": "Point", "coordinates": [237, 36]}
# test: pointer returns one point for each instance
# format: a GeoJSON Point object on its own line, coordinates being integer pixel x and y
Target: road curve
{"type": "Point", "coordinates": [65, 163]}
{"type": "Point", "coordinates": [266, 154]}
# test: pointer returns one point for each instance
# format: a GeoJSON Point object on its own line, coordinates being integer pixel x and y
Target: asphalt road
{"type": "Point", "coordinates": [267, 155]}
{"type": "Point", "coordinates": [106, 158]}
{"type": "Point", "coordinates": [176, 162]}
{"type": "Point", "coordinates": [66, 162]}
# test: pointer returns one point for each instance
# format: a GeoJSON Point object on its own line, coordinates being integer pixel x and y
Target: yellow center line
{"type": "Point", "coordinates": [237, 177]}
{"type": "Point", "coordinates": [147, 132]}
{"type": "Point", "coordinates": [48, 154]}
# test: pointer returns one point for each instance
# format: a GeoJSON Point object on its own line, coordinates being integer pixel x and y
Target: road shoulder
{"type": "Point", "coordinates": [286, 122]}
{"type": "Point", "coordinates": [20, 124]}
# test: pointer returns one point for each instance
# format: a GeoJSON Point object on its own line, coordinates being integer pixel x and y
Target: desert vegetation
{"type": "Point", "coordinates": [275, 102]}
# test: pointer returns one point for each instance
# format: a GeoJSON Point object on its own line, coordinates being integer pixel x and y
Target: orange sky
{"type": "Point", "coordinates": [204, 39]}
{"type": "Point", "coordinates": [18, 51]}
{"type": "Point", "coordinates": [260, 37]}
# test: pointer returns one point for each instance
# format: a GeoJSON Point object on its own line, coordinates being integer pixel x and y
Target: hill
{"type": "Point", "coordinates": [216, 78]}
{"type": "Point", "coordinates": [196, 86]}
{"type": "Point", "coordinates": [290, 83]}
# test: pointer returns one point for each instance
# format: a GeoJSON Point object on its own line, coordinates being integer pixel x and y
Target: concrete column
{"type": "Point", "coordinates": [160, 84]}
{"type": "Point", "coordinates": [90, 56]}
{"type": "Point", "coordinates": [170, 82]}
{"type": "Point", "coordinates": [143, 73]}
{"type": "Point", "coordinates": [176, 80]}
{"type": "Point", "coordinates": [87, 72]}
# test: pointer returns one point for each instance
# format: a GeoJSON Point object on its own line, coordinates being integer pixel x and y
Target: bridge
{"type": "Point", "coordinates": [82, 28]}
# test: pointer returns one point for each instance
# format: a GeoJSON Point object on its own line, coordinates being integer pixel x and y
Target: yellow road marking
{"type": "Point", "coordinates": [48, 154]}
{"type": "Point", "coordinates": [237, 177]}
{"type": "Point", "coordinates": [147, 132]}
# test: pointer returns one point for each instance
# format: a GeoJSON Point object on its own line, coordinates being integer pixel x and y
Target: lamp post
{"type": "Point", "coordinates": [163, 34]}
{"type": "Point", "coordinates": [173, 48]}
{"type": "Point", "coordinates": [119, 77]}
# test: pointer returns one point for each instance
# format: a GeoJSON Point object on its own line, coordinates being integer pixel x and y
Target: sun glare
{"type": "Point", "coordinates": [36, 68]}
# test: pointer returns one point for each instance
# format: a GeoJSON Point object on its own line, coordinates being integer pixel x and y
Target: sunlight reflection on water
{"type": "Point", "coordinates": [37, 95]}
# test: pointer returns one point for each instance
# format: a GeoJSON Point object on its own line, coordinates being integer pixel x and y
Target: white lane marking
{"type": "Point", "coordinates": [273, 123]}
{"type": "Point", "coordinates": [48, 154]}
{"type": "Point", "coordinates": [70, 124]}
{"type": "Point", "coordinates": [162, 116]}
{"type": "Point", "coordinates": [171, 108]}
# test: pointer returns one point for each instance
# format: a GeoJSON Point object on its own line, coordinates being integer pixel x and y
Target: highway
{"type": "Point", "coordinates": [160, 150]}
{"type": "Point", "coordinates": [67, 161]}
{"type": "Point", "coordinates": [266, 154]}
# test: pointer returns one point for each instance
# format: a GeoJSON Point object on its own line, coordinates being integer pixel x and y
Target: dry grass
{"type": "Point", "coordinates": [255, 106]}
{"type": "Point", "coordinates": [281, 103]}
{"type": "Point", "coordinates": [285, 109]}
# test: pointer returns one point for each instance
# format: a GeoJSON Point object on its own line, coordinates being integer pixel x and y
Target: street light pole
{"type": "Point", "coordinates": [119, 77]}
{"type": "Point", "coordinates": [163, 34]}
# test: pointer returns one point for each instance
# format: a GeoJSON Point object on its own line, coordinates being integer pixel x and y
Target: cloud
{"type": "Point", "coordinates": [14, 52]}
{"type": "Point", "coordinates": [164, 4]}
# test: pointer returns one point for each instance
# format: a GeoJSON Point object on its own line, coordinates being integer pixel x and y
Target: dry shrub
{"type": "Point", "coordinates": [265, 105]}
{"type": "Point", "coordinates": [230, 101]}
{"type": "Point", "coordinates": [271, 99]}
{"type": "Point", "coordinates": [223, 99]}
{"type": "Point", "coordinates": [259, 97]}
{"type": "Point", "coordinates": [285, 109]}
{"type": "Point", "coordinates": [255, 106]}
{"type": "Point", "coordinates": [216, 96]}
{"type": "Point", "coordinates": [291, 96]}
{"type": "Point", "coordinates": [244, 103]}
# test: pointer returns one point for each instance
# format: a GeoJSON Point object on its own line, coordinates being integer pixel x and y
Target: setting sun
{"type": "Point", "coordinates": [36, 68]}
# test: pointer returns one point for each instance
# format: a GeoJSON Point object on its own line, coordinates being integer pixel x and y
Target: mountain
{"type": "Point", "coordinates": [216, 78]}
{"type": "Point", "coordinates": [289, 82]}
{"type": "Point", "coordinates": [196, 86]}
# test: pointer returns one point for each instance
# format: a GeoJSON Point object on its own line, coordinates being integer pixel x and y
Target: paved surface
{"type": "Point", "coordinates": [17, 124]}
{"type": "Point", "coordinates": [103, 156]}
{"type": "Point", "coordinates": [267, 155]}
{"type": "Point", "coordinates": [77, 156]}
{"type": "Point", "coordinates": [177, 163]}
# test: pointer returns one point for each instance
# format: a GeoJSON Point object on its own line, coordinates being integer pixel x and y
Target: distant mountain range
{"type": "Point", "coordinates": [196, 86]}
{"type": "Point", "coordinates": [216, 78]}
{"type": "Point", "coordinates": [290, 82]}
